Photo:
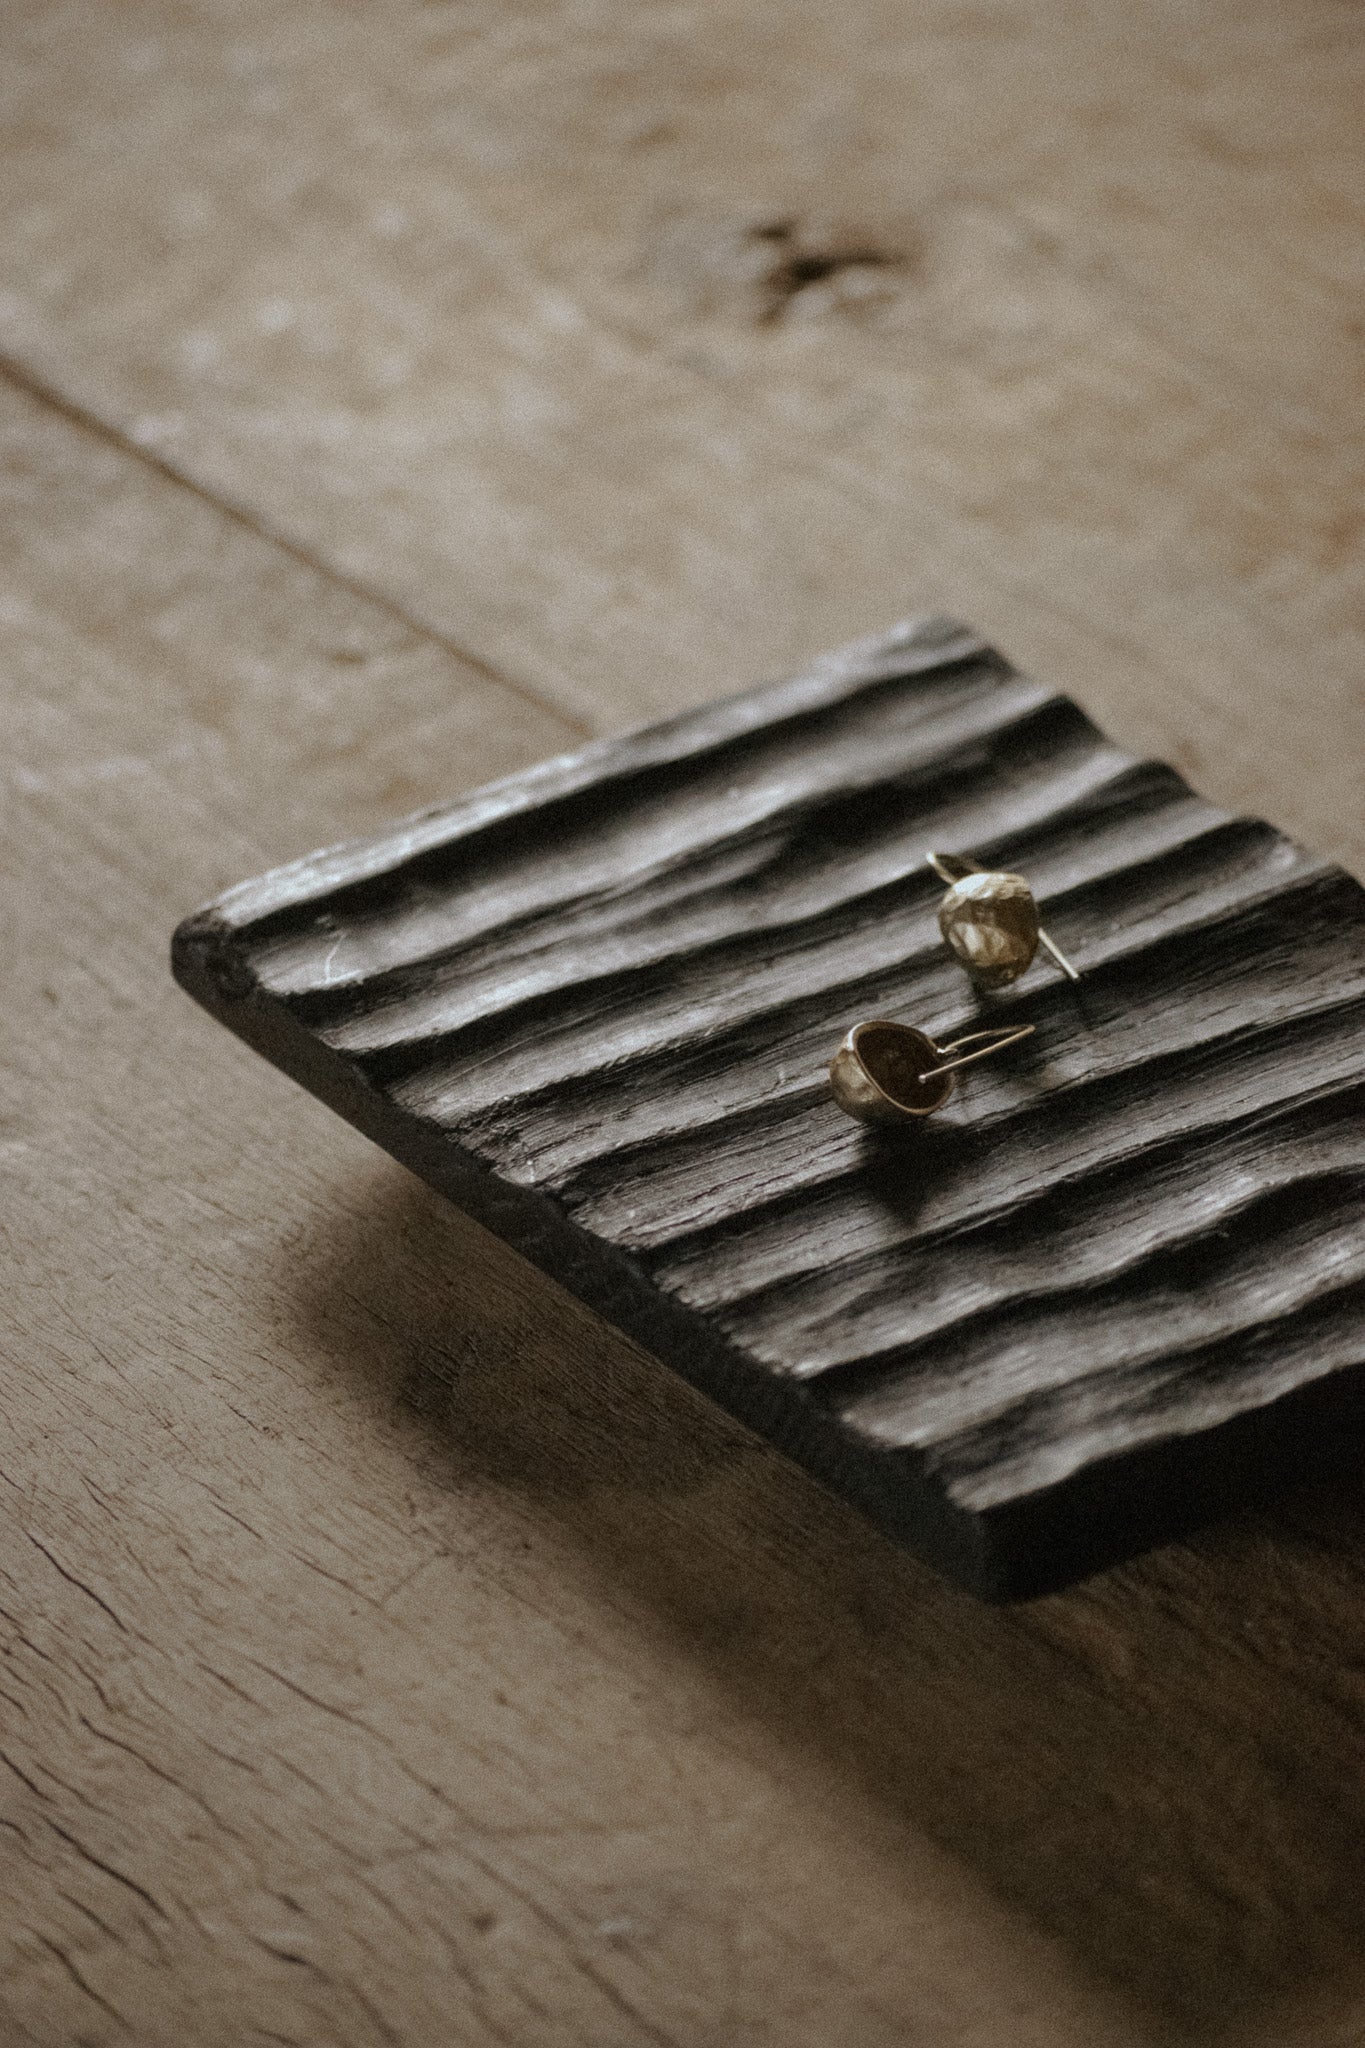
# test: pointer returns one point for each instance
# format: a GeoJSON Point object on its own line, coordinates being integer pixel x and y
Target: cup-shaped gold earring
{"type": "Point", "coordinates": [887, 1073]}
{"type": "Point", "coordinates": [990, 921]}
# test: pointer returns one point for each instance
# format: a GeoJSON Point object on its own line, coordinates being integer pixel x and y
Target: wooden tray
{"type": "Point", "coordinates": [1117, 1284]}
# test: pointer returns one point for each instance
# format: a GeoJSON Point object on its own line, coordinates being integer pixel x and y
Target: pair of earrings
{"type": "Point", "coordinates": [886, 1073]}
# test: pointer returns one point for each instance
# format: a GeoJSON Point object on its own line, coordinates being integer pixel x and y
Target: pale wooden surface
{"type": "Point", "coordinates": [390, 1655]}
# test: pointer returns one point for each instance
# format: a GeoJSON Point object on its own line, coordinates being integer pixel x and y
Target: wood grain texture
{"type": "Point", "coordinates": [556, 325]}
{"type": "Point", "coordinates": [332, 1707]}
{"type": "Point", "coordinates": [388, 1650]}
{"type": "Point", "coordinates": [1121, 1278]}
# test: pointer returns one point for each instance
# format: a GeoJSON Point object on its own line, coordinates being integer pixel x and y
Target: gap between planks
{"type": "Point", "coordinates": [86, 420]}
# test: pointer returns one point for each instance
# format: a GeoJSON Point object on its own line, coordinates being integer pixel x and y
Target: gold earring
{"type": "Point", "coordinates": [990, 921]}
{"type": "Point", "coordinates": [886, 1073]}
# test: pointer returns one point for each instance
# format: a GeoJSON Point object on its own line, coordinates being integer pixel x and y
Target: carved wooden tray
{"type": "Point", "coordinates": [1117, 1284]}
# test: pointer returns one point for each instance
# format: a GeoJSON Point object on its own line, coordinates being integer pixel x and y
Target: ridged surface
{"type": "Point", "coordinates": [615, 984]}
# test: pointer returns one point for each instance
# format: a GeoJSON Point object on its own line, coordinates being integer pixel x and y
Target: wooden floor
{"type": "Point", "coordinates": [394, 395]}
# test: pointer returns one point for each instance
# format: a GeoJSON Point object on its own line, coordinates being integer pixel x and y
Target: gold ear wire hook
{"type": "Point", "coordinates": [989, 1041]}
{"type": "Point", "coordinates": [992, 925]}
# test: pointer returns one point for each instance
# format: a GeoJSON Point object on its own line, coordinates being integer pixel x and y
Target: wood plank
{"type": "Point", "coordinates": [1119, 1287]}
{"type": "Point", "coordinates": [382, 1656]}
{"type": "Point", "coordinates": [484, 308]}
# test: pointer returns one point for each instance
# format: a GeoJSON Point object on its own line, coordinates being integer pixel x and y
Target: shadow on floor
{"type": "Point", "coordinates": [1163, 1768]}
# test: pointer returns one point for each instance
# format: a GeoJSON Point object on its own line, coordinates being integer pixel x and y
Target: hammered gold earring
{"type": "Point", "coordinates": [887, 1073]}
{"type": "Point", "coordinates": [990, 921]}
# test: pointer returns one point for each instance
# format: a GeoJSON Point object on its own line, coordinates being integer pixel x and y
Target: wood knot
{"type": "Point", "coordinates": [776, 271]}
{"type": "Point", "coordinates": [805, 274]}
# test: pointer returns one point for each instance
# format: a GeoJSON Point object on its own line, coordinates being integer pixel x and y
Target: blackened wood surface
{"type": "Point", "coordinates": [1118, 1283]}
